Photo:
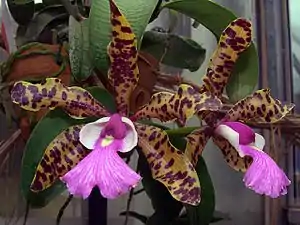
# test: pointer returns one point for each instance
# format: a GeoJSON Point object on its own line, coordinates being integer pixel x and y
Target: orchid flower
{"type": "Point", "coordinates": [241, 146]}
{"type": "Point", "coordinates": [85, 156]}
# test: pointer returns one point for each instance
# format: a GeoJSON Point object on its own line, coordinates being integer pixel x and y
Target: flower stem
{"type": "Point", "coordinates": [181, 131]}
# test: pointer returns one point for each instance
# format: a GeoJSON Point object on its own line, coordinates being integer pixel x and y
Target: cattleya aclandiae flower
{"type": "Point", "coordinates": [241, 146]}
{"type": "Point", "coordinates": [85, 156]}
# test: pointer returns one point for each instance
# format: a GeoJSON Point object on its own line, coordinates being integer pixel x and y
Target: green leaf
{"type": "Point", "coordinates": [216, 18]}
{"type": "Point", "coordinates": [203, 213]}
{"type": "Point", "coordinates": [244, 79]}
{"type": "Point", "coordinates": [79, 49]}
{"type": "Point", "coordinates": [191, 53]}
{"type": "Point", "coordinates": [104, 97]}
{"type": "Point", "coordinates": [137, 12]}
{"type": "Point", "coordinates": [44, 132]}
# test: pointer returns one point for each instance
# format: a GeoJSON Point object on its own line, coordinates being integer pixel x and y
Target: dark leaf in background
{"type": "Point", "coordinates": [21, 13]}
{"type": "Point", "coordinates": [181, 52]}
{"type": "Point", "coordinates": [43, 21]}
{"type": "Point", "coordinates": [79, 49]}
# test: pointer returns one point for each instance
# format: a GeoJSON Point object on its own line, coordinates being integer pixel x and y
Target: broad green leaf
{"type": "Point", "coordinates": [244, 79]}
{"type": "Point", "coordinates": [170, 46]}
{"type": "Point", "coordinates": [216, 18]}
{"type": "Point", "coordinates": [203, 213]}
{"type": "Point", "coordinates": [44, 132]}
{"type": "Point", "coordinates": [79, 49]}
{"type": "Point", "coordinates": [137, 12]}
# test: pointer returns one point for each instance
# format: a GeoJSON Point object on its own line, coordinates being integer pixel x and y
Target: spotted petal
{"type": "Point", "coordinates": [62, 154]}
{"type": "Point", "coordinates": [196, 142]}
{"type": "Point", "coordinates": [235, 39]}
{"type": "Point", "coordinates": [122, 50]}
{"type": "Point", "coordinates": [180, 106]}
{"type": "Point", "coordinates": [76, 101]}
{"type": "Point", "coordinates": [231, 155]}
{"type": "Point", "coordinates": [169, 165]}
{"type": "Point", "coordinates": [259, 107]}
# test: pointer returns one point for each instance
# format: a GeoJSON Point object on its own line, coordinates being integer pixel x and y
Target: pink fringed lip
{"type": "Point", "coordinates": [264, 176]}
{"type": "Point", "coordinates": [102, 168]}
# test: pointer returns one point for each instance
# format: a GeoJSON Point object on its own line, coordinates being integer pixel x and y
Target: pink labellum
{"type": "Point", "coordinates": [264, 176]}
{"type": "Point", "coordinates": [102, 168]}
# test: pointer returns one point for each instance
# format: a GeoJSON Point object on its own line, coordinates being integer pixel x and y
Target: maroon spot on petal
{"type": "Point", "coordinates": [115, 11]}
{"type": "Point", "coordinates": [33, 89]}
{"type": "Point", "coordinates": [44, 92]}
{"type": "Point", "coordinates": [24, 101]}
{"type": "Point", "coordinates": [170, 163]}
{"type": "Point", "coordinates": [115, 22]}
{"type": "Point", "coordinates": [230, 32]}
{"type": "Point", "coordinates": [64, 96]}
{"type": "Point", "coordinates": [126, 30]}
{"type": "Point", "coordinates": [115, 34]}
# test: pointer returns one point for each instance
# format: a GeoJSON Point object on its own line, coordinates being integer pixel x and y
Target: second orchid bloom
{"type": "Point", "coordinates": [86, 155]}
{"type": "Point", "coordinates": [241, 146]}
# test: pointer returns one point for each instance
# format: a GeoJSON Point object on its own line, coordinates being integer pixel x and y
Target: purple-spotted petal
{"type": "Point", "coordinates": [61, 155]}
{"type": "Point", "coordinates": [169, 165]}
{"type": "Point", "coordinates": [264, 176]}
{"type": "Point", "coordinates": [76, 101]}
{"type": "Point", "coordinates": [103, 168]}
{"type": "Point", "coordinates": [123, 73]}
{"type": "Point", "coordinates": [91, 132]}
{"type": "Point", "coordinates": [179, 106]}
